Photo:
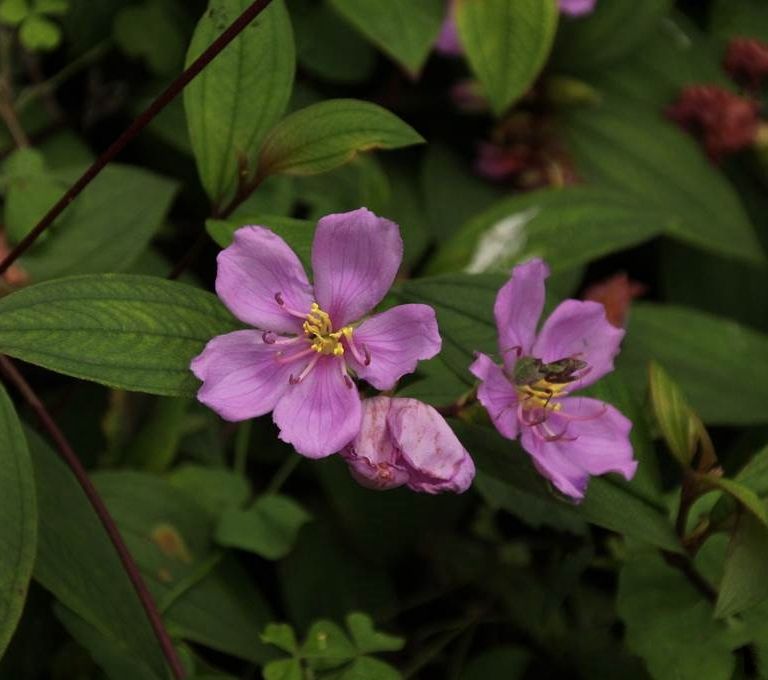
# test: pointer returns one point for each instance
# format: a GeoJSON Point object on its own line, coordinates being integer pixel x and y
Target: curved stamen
{"type": "Point", "coordinates": [307, 369]}
{"type": "Point", "coordinates": [363, 357]}
{"type": "Point", "coordinates": [517, 349]}
{"type": "Point", "coordinates": [282, 360]}
{"type": "Point", "coordinates": [281, 301]}
{"type": "Point", "coordinates": [345, 376]}
{"type": "Point", "coordinates": [551, 436]}
{"type": "Point", "coordinates": [591, 416]}
{"type": "Point", "coordinates": [272, 338]}
{"type": "Point", "coordinates": [531, 423]}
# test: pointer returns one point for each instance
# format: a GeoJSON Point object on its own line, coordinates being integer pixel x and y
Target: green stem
{"type": "Point", "coordinates": [242, 440]}
{"type": "Point", "coordinates": [283, 473]}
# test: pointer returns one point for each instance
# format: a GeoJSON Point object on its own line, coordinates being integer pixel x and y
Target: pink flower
{"type": "Point", "coordinates": [311, 338]}
{"type": "Point", "coordinates": [569, 438]}
{"type": "Point", "coordinates": [449, 43]}
{"type": "Point", "coordinates": [403, 441]}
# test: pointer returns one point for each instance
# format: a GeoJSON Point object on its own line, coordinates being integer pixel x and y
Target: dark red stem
{"type": "Point", "coordinates": [71, 459]}
{"type": "Point", "coordinates": [170, 93]}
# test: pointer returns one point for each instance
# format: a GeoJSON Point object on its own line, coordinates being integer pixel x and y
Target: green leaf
{"type": "Point", "coordinates": [739, 18]}
{"type": "Point", "coordinates": [326, 135]}
{"type": "Point", "coordinates": [216, 489]}
{"type": "Point", "coordinates": [18, 520]}
{"type": "Point", "coordinates": [721, 366]}
{"type": "Point", "coordinates": [78, 564]}
{"type": "Point", "coordinates": [281, 635]}
{"type": "Point", "coordinates": [614, 30]}
{"type": "Point", "coordinates": [367, 639]}
{"type": "Point", "coordinates": [268, 528]}
{"type": "Point", "coordinates": [284, 669]}
{"type": "Point", "coordinates": [205, 597]}
{"type": "Point", "coordinates": [326, 642]}
{"type": "Point", "coordinates": [669, 624]}
{"type": "Point", "coordinates": [366, 668]}
{"type": "Point", "coordinates": [13, 12]}
{"type": "Point", "coordinates": [240, 95]}
{"type": "Point", "coordinates": [298, 234]}
{"type": "Point", "coordinates": [507, 43]}
{"type": "Point", "coordinates": [130, 332]}
{"type": "Point", "coordinates": [403, 29]}
{"type": "Point", "coordinates": [154, 446]}
{"type": "Point", "coordinates": [327, 46]}
{"type": "Point", "coordinates": [39, 34]}
{"type": "Point", "coordinates": [30, 192]}
{"type": "Point", "coordinates": [678, 423]}
{"type": "Point", "coordinates": [609, 502]}
{"type": "Point", "coordinates": [743, 584]}
{"type": "Point", "coordinates": [743, 494]}
{"type": "Point", "coordinates": [566, 227]}
{"type": "Point", "coordinates": [151, 32]}
{"type": "Point", "coordinates": [638, 153]}
{"type": "Point", "coordinates": [56, 7]}
{"type": "Point", "coordinates": [107, 228]}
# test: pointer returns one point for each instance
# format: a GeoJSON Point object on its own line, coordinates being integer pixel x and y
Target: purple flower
{"type": "Point", "coordinates": [577, 8]}
{"type": "Point", "coordinates": [569, 438]}
{"type": "Point", "coordinates": [311, 338]}
{"type": "Point", "coordinates": [403, 441]}
{"type": "Point", "coordinates": [449, 43]}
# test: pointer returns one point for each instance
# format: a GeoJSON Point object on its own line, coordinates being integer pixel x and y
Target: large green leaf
{"type": "Point", "coordinates": [670, 624]}
{"type": "Point", "coordinates": [205, 597]}
{"type": "Point", "coordinates": [615, 29]}
{"type": "Point", "coordinates": [107, 228]}
{"type": "Point", "coordinates": [404, 29]}
{"type": "Point", "coordinates": [608, 503]}
{"type": "Point", "coordinates": [131, 332]}
{"type": "Point", "coordinates": [507, 43]}
{"type": "Point", "coordinates": [18, 520]}
{"type": "Point", "coordinates": [721, 366]}
{"type": "Point", "coordinates": [325, 135]}
{"type": "Point", "coordinates": [566, 227]}
{"type": "Point", "coordinates": [640, 154]}
{"type": "Point", "coordinates": [79, 565]}
{"type": "Point", "coordinates": [240, 95]}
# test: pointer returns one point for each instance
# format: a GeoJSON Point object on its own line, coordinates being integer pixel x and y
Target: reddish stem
{"type": "Point", "coordinates": [71, 459]}
{"type": "Point", "coordinates": [170, 93]}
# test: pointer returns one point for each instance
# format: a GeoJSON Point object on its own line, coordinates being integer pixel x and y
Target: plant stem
{"type": "Point", "coordinates": [71, 459]}
{"type": "Point", "coordinates": [7, 109]}
{"type": "Point", "coordinates": [167, 96]}
{"type": "Point", "coordinates": [242, 439]}
{"type": "Point", "coordinates": [283, 472]}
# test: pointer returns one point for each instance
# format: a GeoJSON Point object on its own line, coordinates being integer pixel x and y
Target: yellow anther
{"type": "Point", "coordinates": [319, 329]}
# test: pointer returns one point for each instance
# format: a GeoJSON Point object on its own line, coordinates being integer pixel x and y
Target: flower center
{"type": "Point", "coordinates": [539, 385]}
{"type": "Point", "coordinates": [319, 329]}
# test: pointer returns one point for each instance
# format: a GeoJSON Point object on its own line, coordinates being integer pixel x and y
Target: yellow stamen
{"type": "Point", "coordinates": [541, 394]}
{"type": "Point", "coordinates": [319, 329]}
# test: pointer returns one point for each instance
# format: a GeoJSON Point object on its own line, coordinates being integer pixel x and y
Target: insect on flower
{"type": "Point", "coordinates": [569, 438]}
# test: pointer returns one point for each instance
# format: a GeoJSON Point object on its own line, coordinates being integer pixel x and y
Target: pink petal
{"type": "Point", "coordinates": [321, 414]}
{"type": "Point", "coordinates": [518, 308]}
{"type": "Point", "coordinates": [497, 394]}
{"type": "Point", "coordinates": [241, 378]}
{"type": "Point", "coordinates": [395, 341]}
{"type": "Point", "coordinates": [372, 456]}
{"type": "Point", "coordinates": [448, 42]}
{"type": "Point", "coordinates": [579, 329]}
{"type": "Point", "coordinates": [427, 444]}
{"type": "Point", "coordinates": [577, 8]}
{"type": "Point", "coordinates": [355, 257]}
{"type": "Point", "coordinates": [601, 445]}
{"type": "Point", "coordinates": [256, 267]}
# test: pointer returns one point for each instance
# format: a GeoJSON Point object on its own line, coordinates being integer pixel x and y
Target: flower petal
{"type": "Point", "coordinates": [576, 8]}
{"type": "Point", "coordinates": [355, 257]}
{"type": "Point", "coordinates": [601, 445]}
{"type": "Point", "coordinates": [372, 456]}
{"type": "Point", "coordinates": [256, 267]}
{"type": "Point", "coordinates": [578, 328]}
{"type": "Point", "coordinates": [497, 394]}
{"type": "Point", "coordinates": [427, 444]}
{"type": "Point", "coordinates": [241, 378]}
{"type": "Point", "coordinates": [395, 341]}
{"type": "Point", "coordinates": [321, 414]}
{"type": "Point", "coordinates": [518, 308]}
{"type": "Point", "coordinates": [448, 42]}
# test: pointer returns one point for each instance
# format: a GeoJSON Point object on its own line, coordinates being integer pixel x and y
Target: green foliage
{"type": "Point", "coordinates": [240, 96]}
{"type": "Point", "coordinates": [37, 31]}
{"type": "Point", "coordinates": [332, 653]}
{"type": "Point", "coordinates": [506, 43]}
{"type": "Point", "coordinates": [268, 527]}
{"type": "Point", "coordinates": [130, 332]}
{"type": "Point", "coordinates": [404, 30]}
{"type": "Point", "coordinates": [18, 520]}
{"type": "Point", "coordinates": [326, 135]}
